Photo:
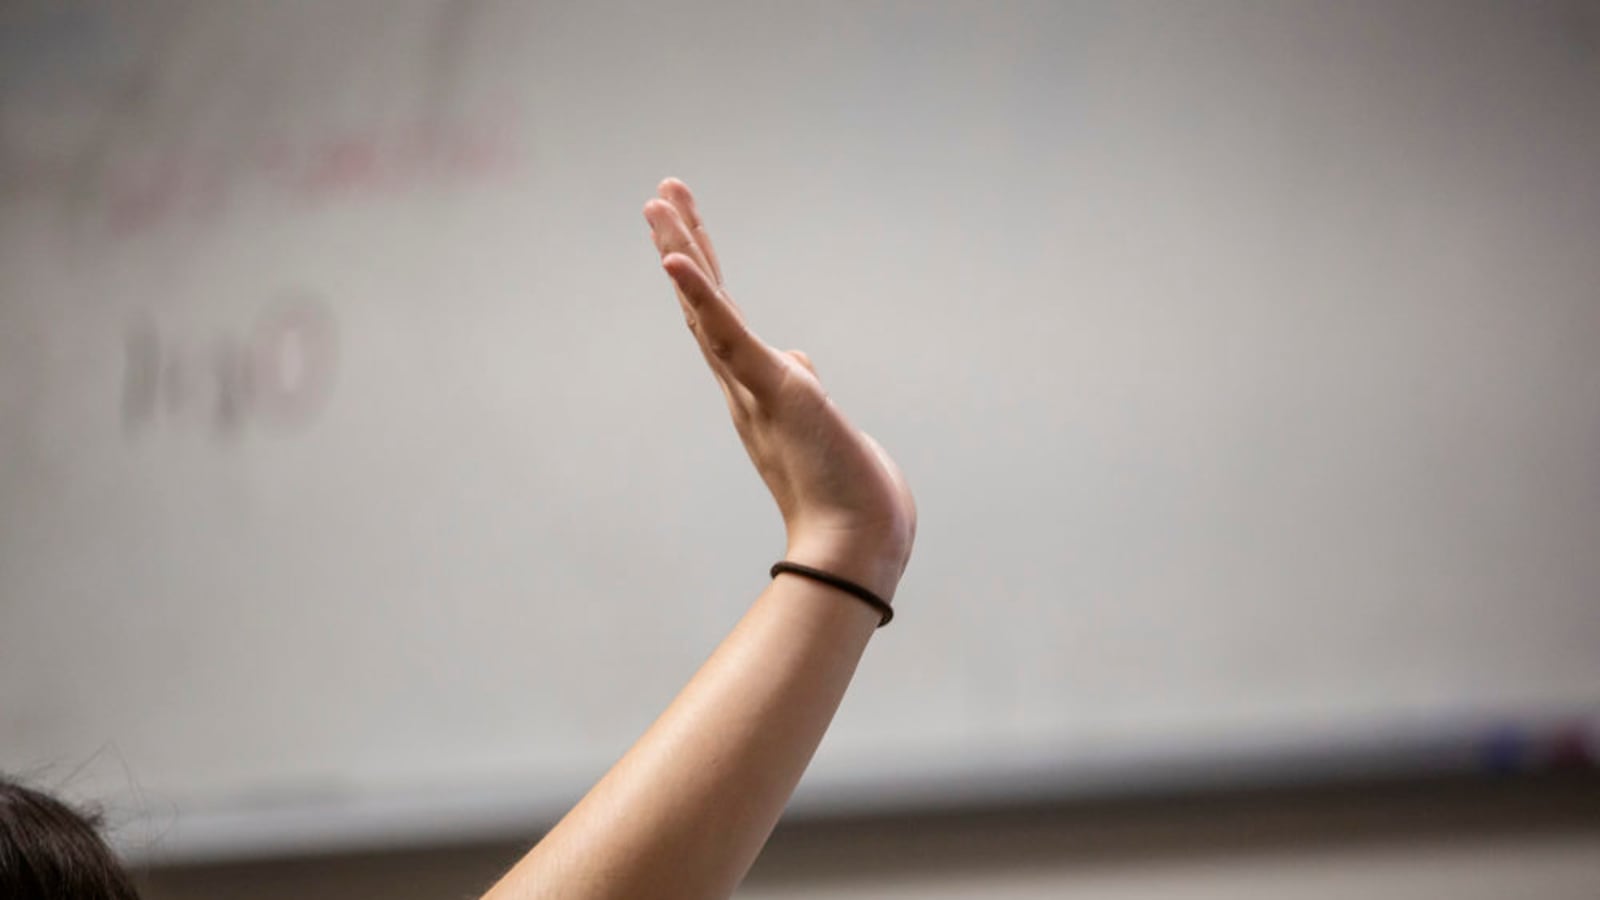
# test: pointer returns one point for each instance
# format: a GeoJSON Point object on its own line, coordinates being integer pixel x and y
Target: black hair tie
{"type": "Point", "coordinates": [849, 587]}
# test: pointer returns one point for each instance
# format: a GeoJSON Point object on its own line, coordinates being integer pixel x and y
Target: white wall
{"type": "Point", "coordinates": [1241, 357]}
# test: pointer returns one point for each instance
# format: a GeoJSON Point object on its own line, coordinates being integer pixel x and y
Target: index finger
{"type": "Point", "coordinates": [723, 335]}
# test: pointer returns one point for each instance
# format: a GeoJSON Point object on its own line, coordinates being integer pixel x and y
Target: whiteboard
{"type": "Point", "coordinates": [359, 483]}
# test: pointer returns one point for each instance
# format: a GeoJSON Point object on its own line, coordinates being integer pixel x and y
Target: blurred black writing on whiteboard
{"type": "Point", "coordinates": [276, 376]}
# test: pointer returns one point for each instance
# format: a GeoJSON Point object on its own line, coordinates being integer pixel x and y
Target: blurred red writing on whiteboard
{"type": "Point", "coordinates": [182, 186]}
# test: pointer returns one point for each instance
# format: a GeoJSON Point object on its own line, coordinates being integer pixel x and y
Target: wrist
{"type": "Point", "coordinates": [876, 569]}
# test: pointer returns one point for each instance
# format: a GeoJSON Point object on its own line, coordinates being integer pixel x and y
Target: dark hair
{"type": "Point", "coordinates": [50, 851]}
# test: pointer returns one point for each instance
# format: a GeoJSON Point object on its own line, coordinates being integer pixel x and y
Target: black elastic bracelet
{"type": "Point", "coordinates": [849, 587]}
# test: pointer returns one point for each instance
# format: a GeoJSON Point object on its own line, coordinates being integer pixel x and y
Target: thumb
{"type": "Point", "coordinates": [800, 357]}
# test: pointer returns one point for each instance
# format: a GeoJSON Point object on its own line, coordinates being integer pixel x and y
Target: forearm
{"type": "Point", "coordinates": [687, 810]}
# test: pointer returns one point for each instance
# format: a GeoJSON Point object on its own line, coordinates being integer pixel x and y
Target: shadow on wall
{"type": "Point", "coordinates": [1234, 834]}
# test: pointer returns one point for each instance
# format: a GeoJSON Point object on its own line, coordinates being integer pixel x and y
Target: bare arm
{"type": "Point", "coordinates": [686, 810]}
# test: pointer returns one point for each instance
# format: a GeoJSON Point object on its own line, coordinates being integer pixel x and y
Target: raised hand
{"type": "Point", "coordinates": [845, 504]}
{"type": "Point", "coordinates": [687, 808]}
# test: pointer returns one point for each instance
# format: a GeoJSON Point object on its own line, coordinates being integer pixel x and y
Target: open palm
{"type": "Point", "coordinates": [845, 504]}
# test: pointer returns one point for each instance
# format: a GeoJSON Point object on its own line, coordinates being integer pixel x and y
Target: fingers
{"type": "Point", "coordinates": [727, 343]}
{"type": "Point", "coordinates": [672, 234]}
{"type": "Point", "coordinates": [663, 244]}
{"type": "Point", "coordinates": [677, 193]}
{"type": "Point", "coordinates": [730, 349]}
